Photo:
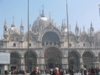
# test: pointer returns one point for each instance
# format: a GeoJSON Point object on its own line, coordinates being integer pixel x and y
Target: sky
{"type": "Point", "coordinates": [81, 11]}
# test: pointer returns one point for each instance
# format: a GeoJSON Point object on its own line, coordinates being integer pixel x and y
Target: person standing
{"type": "Point", "coordinates": [89, 71]}
{"type": "Point", "coordinates": [36, 72]}
{"type": "Point", "coordinates": [56, 71]}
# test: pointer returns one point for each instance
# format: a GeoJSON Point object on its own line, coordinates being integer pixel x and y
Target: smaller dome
{"type": "Point", "coordinates": [13, 30]}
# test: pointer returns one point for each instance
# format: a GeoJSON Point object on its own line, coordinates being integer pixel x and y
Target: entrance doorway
{"type": "Point", "coordinates": [52, 58]}
{"type": "Point", "coordinates": [51, 65]}
{"type": "Point", "coordinates": [13, 68]}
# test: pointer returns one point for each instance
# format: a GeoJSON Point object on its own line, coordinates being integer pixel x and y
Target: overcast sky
{"type": "Point", "coordinates": [81, 11]}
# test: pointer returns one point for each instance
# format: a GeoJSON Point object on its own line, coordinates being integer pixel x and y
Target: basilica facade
{"type": "Point", "coordinates": [48, 46]}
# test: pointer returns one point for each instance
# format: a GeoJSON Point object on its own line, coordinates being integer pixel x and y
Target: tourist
{"type": "Point", "coordinates": [18, 72]}
{"type": "Point", "coordinates": [97, 71]}
{"type": "Point", "coordinates": [72, 71]}
{"type": "Point", "coordinates": [89, 71]}
{"type": "Point", "coordinates": [51, 71]}
{"type": "Point", "coordinates": [56, 71]}
{"type": "Point", "coordinates": [85, 72]}
{"type": "Point", "coordinates": [36, 72]}
{"type": "Point", "coordinates": [92, 71]}
{"type": "Point", "coordinates": [61, 72]}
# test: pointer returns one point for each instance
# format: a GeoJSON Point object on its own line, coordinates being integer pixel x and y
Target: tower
{"type": "Point", "coordinates": [21, 28]}
{"type": "Point", "coordinates": [5, 31]}
{"type": "Point", "coordinates": [21, 31]}
{"type": "Point", "coordinates": [5, 27]}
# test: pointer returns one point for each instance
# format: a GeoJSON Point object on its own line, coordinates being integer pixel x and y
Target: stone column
{"type": "Point", "coordinates": [96, 64]}
{"type": "Point", "coordinates": [42, 63]}
{"type": "Point", "coordinates": [22, 63]}
{"type": "Point", "coordinates": [38, 62]}
{"type": "Point", "coordinates": [81, 62]}
{"type": "Point", "coordinates": [64, 62]}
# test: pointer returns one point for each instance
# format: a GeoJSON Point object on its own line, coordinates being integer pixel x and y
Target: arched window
{"type": "Point", "coordinates": [14, 44]}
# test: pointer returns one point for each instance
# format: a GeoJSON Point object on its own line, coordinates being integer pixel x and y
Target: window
{"type": "Point", "coordinates": [46, 43]}
{"type": "Point", "coordinates": [5, 29]}
{"type": "Point", "coordinates": [83, 44]}
{"type": "Point", "coordinates": [12, 39]}
{"type": "Point", "coordinates": [42, 43]}
{"type": "Point", "coordinates": [29, 44]}
{"type": "Point", "coordinates": [14, 45]}
{"type": "Point", "coordinates": [16, 39]}
{"type": "Point", "coordinates": [70, 45]}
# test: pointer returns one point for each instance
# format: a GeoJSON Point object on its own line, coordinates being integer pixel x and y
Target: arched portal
{"type": "Point", "coordinates": [51, 62]}
{"type": "Point", "coordinates": [52, 57]}
{"type": "Point", "coordinates": [31, 62]}
{"type": "Point", "coordinates": [50, 38]}
{"type": "Point", "coordinates": [74, 61]}
{"type": "Point", "coordinates": [15, 61]}
{"type": "Point", "coordinates": [88, 60]}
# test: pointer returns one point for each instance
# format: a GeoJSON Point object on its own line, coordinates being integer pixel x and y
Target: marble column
{"type": "Point", "coordinates": [64, 62]}
{"type": "Point", "coordinates": [81, 62]}
{"type": "Point", "coordinates": [42, 63]}
{"type": "Point", "coordinates": [96, 63]}
{"type": "Point", "coordinates": [22, 63]}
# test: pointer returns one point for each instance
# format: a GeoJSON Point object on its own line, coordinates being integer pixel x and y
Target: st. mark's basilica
{"type": "Point", "coordinates": [48, 46]}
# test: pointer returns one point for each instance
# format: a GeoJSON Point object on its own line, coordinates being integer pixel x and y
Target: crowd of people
{"type": "Point", "coordinates": [15, 72]}
{"type": "Point", "coordinates": [92, 71]}
{"type": "Point", "coordinates": [57, 71]}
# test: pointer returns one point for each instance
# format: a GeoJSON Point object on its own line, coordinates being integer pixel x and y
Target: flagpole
{"type": "Point", "coordinates": [99, 10]}
{"type": "Point", "coordinates": [28, 40]}
{"type": "Point", "coordinates": [67, 28]}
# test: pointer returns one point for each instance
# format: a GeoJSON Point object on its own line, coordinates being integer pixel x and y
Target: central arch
{"type": "Point", "coordinates": [52, 57]}
{"type": "Point", "coordinates": [50, 38]}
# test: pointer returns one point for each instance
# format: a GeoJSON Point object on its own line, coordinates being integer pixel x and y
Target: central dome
{"type": "Point", "coordinates": [40, 22]}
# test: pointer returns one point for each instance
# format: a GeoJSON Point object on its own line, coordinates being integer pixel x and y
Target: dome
{"type": "Point", "coordinates": [41, 21]}
{"type": "Point", "coordinates": [14, 30]}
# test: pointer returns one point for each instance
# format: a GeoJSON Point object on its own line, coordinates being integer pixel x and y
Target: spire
{"type": "Point", "coordinates": [62, 23]}
{"type": "Point", "coordinates": [22, 23]}
{"type": "Point", "coordinates": [80, 32]}
{"type": "Point", "coordinates": [84, 29]}
{"type": "Point", "coordinates": [30, 27]}
{"type": "Point", "coordinates": [13, 25]}
{"type": "Point", "coordinates": [43, 15]}
{"type": "Point", "coordinates": [76, 24]}
{"type": "Point", "coordinates": [5, 25]}
{"type": "Point", "coordinates": [13, 19]}
{"type": "Point", "coordinates": [91, 28]}
{"type": "Point", "coordinates": [50, 16]}
{"type": "Point", "coordinates": [77, 28]}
